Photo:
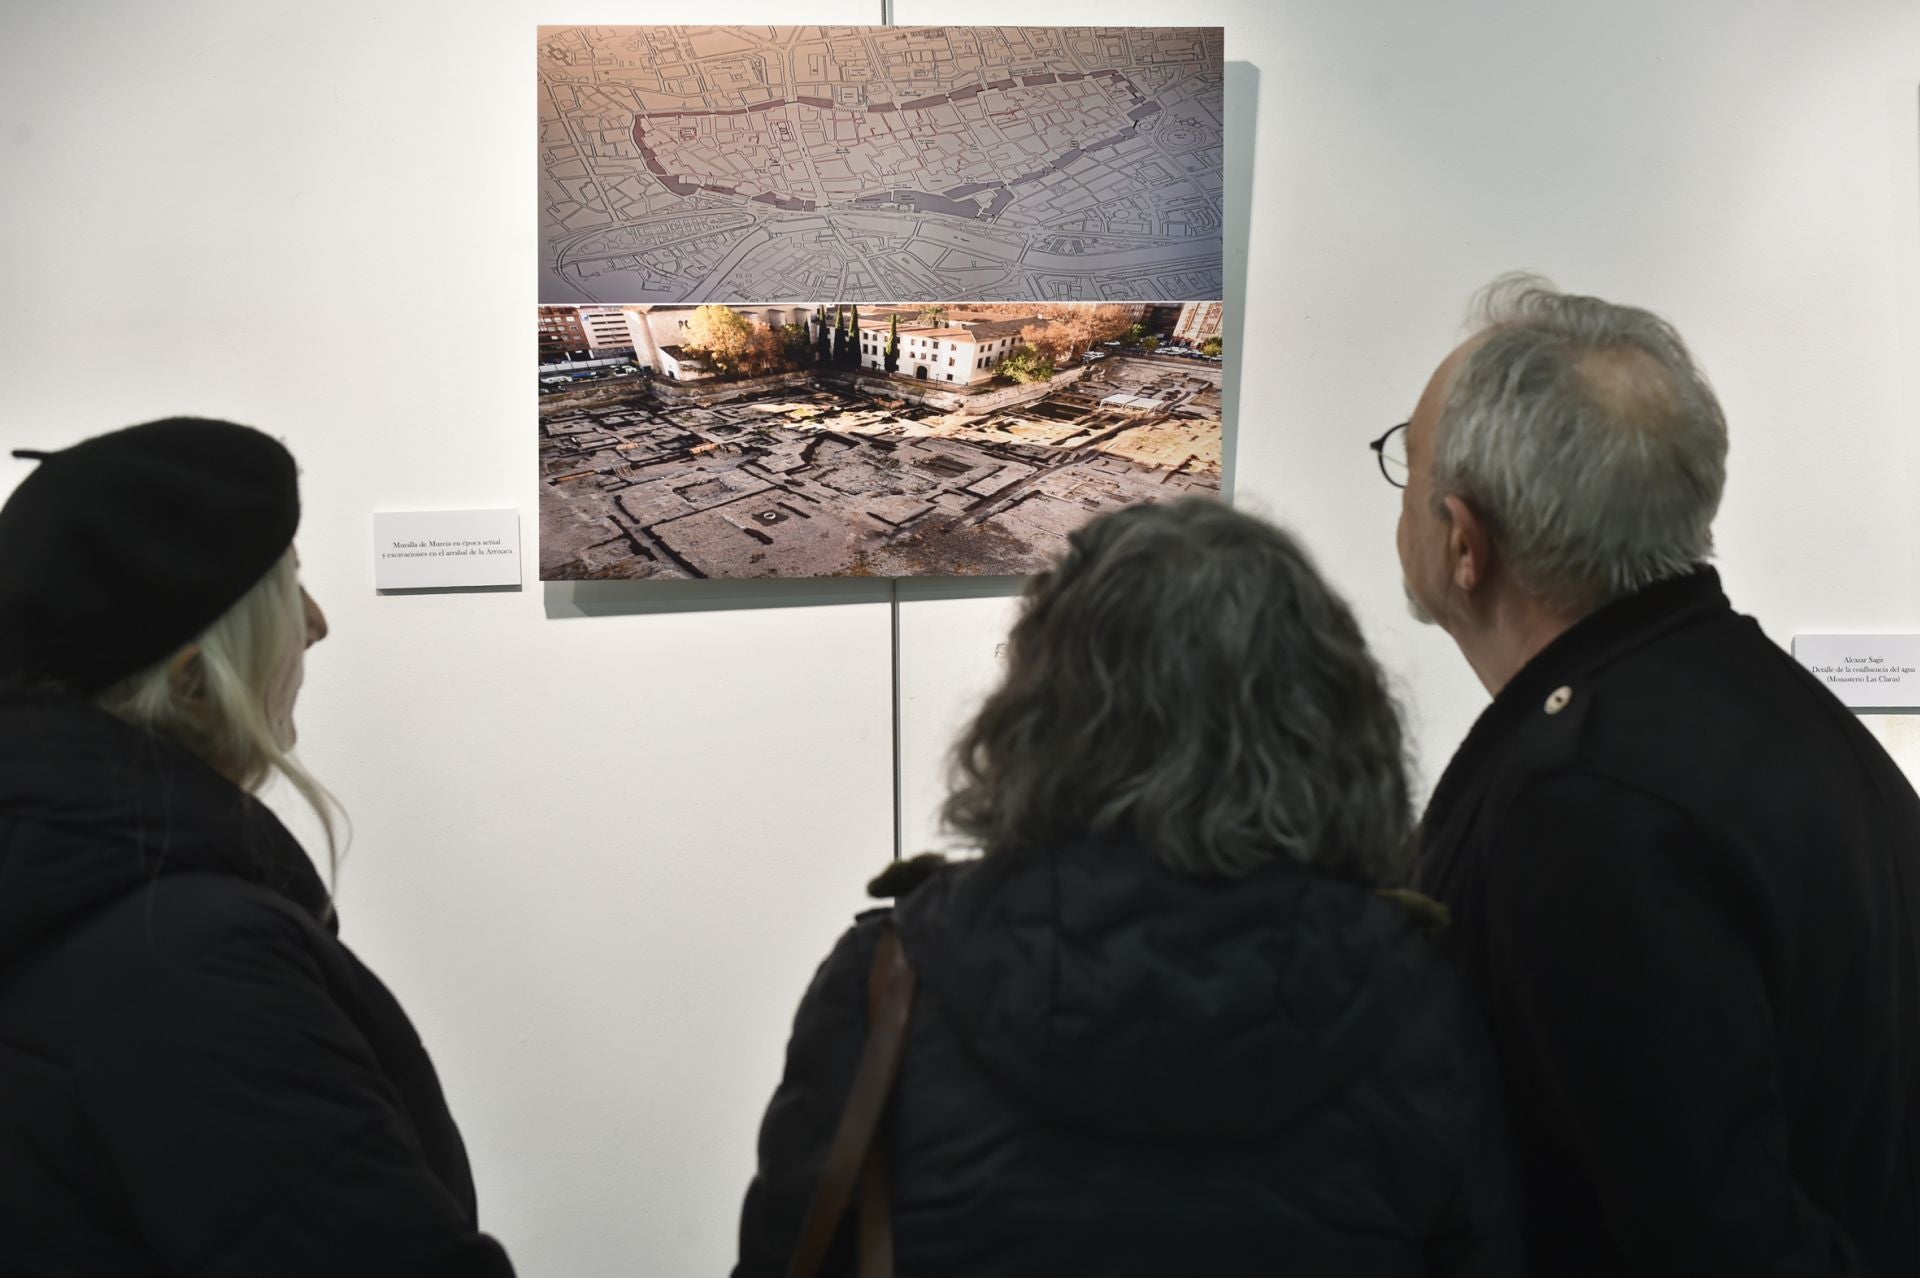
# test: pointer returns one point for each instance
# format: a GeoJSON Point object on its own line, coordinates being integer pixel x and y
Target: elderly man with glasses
{"type": "Point", "coordinates": [1684, 880]}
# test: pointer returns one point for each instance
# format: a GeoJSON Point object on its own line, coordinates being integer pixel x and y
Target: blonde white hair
{"type": "Point", "coordinates": [232, 705]}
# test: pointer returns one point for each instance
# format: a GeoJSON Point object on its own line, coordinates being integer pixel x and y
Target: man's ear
{"type": "Point", "coordinates": [1469, 547]}
{"type": "Point", "coordinates": [185, 675]}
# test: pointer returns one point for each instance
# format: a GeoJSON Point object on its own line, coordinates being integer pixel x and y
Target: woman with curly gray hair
{"type": "Point", "coordinates": [1174, 1020]}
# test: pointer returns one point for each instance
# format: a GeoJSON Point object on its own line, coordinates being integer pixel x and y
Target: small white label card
{"type": "Point", "coordinates": [1869, 672]}
{"type": "Point", "coordinates": [420, 550]}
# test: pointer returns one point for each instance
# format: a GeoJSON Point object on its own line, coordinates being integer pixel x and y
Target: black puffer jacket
{"type": "Point", "coordinates": [196, 1077]}
{"type": "Point", "coordinates": [1115, 1070]}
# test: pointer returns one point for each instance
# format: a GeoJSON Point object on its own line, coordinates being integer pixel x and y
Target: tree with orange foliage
{"type": "Point", "coordinates": [767, 352]}
{"type": "Point", "coordinates": [722, 335]}
{"type": "Point", "coordinates": [1049, 339]}
{"type": "Point", "coordinates": [1079, 327]}
{"type": "Point", "coordinates": [1109, 322]}
{"type": "Point", "coordinates": [1026, 364]}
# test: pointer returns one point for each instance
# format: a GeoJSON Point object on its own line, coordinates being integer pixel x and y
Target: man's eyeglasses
{"type": "Point", "coordinates": [1391, 450]}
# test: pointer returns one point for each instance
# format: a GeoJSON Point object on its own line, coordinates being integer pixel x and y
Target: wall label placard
{"type": "Point", "coordinates": [1869, 672]}
{"type": "Point", "coordinates": [421, 550]}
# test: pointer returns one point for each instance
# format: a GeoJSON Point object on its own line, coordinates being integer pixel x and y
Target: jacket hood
{"type": "Point", "coordinates": [1110, 994]}
{"type": "Point", "coordinates": [92, 808]}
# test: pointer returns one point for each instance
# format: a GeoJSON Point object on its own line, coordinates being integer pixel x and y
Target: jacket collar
{"type": "Point", "coordinates": [1589, 645]}
{"type": "Point", "coordinates": [92, 808]}
{"type": "Point", "coordinates": [1112, 994]}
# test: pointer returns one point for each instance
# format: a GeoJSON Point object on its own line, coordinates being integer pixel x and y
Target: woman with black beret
{"type": "Point", "coordinates": [196, 1076]}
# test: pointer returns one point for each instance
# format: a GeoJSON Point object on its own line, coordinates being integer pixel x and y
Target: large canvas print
{"type": "Point", "coordinates": [871, 301]}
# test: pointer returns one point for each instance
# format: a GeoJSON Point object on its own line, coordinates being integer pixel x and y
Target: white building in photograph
{"type": "Point", "coordinates": [964, 353]}
{"type": "Point", "coordinates": [1199, 321]}
{"type": "Point", "coordinates": [605, 328]}
{"type": "Point", "coordinates": [951, 352]}
{"type": "Point", "coordinates": [676, 364]}
{"type": "Point", "coordinates": [649, 330]}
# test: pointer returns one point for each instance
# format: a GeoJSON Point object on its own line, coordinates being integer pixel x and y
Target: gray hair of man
{"type": "Point", "coordinates": [1184, 683]}
{"type": "Point", "coordinates": [1586, 437]}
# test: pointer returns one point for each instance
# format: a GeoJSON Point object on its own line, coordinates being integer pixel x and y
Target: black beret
{"type": "Point", "coordinates": [119, 550]}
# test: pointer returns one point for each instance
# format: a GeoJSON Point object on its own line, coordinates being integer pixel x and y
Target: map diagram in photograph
{"type": "Point", "coordinates": [900, 164]}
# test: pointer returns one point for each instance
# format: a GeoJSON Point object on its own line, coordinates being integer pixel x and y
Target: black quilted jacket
{"type": "Point", "coordinates": [196, 1077]}
{"type": "Point", "coordinates": [1115, 1070]}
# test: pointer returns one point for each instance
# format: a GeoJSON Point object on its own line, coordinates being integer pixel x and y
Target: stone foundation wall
{"type": "Point", "coordinates": [973, 403]}
{"type": "Point", "coordinates": [702, 393]}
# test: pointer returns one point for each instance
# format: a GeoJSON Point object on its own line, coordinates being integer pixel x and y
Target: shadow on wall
{"type": "Point", "coordinates": [1240, 107]}
{"type": "Point", "coordinates": [569, 599]}
{"type": "Point", "coordinates": [565, 600]}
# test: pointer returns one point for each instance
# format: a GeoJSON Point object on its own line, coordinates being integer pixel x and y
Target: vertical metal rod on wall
{"type": "Point", "coordinates": [886, 20]}
{"type": "Point", "coordinates": [895, 599]}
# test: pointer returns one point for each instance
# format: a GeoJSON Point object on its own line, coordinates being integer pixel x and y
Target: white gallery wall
{"type": "Point", "coordinates": [604, 832]}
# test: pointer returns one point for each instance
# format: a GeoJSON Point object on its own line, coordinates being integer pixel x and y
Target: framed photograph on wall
{"type": "Point", "coordinates": [889, 301]}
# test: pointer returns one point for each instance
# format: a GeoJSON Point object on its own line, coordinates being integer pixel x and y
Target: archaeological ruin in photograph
{"type": "Point", "coordinates": [808, 440]}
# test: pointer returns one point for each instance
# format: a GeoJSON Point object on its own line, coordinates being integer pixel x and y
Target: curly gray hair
{"type": "Point", "coordinates": [1585, 436]}
{"type": "Point", "coordinates": [1185, 681]}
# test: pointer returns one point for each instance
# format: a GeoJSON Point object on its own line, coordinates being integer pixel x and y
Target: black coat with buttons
{"type": "Point", "coordinates": [196, 1077]}
{"type": "Point", "coordinates": [1687, 883]}
{"type": "Point", "coordinates": [1114, 1070]}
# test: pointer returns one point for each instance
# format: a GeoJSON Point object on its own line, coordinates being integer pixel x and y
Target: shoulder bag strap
{"type": "Point", "coordinates": [854, 1152]}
